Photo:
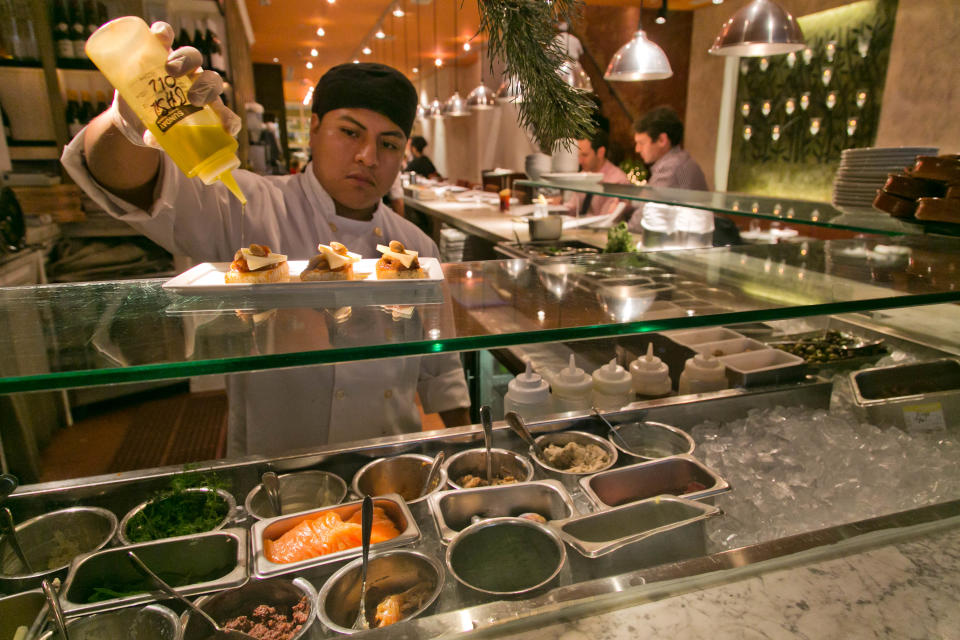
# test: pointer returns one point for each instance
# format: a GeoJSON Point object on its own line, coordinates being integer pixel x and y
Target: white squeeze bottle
{"type": "Point", "coordinates": [527, 395]}
{"type": "Point", "coordinates": [133, 60]}
{"type": "Point", "coordinates": [572, 389]}
{"type": "Point", "coordinates": [651, 376]}
{"type": "Point", "coordinates": [612, 387]}
{"type": "Point", "coordinates": [703, 373]}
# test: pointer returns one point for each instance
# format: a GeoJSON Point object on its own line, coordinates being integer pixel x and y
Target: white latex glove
{"type": "Point", "coordinates": [205, 90]}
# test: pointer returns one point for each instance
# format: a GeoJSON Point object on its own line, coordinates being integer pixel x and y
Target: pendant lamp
{"type": "Point", "coordinates": [455, 106]}
{"type": "Point", "coordinates": [482, 98]}
{"type": "Point", "coordinates": [639, 59]}
{"type": "Point", "coordinates": [421, 108]}
{"type": "Point", "coordinates": [762, 28]}
{"type": "Point", "coordinates": [436, 107]}
{"type": "Point", "coordinates": [573, 74]}
{"type": "Point", "coordinates": [510, 90]}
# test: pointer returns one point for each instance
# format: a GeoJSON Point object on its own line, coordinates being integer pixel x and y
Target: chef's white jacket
{"type": "Point", "coordinates": [277, 411]}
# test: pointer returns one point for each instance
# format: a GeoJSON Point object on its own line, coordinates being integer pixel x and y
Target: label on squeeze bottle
{"type": "Point", "coordinates": [164, 96]}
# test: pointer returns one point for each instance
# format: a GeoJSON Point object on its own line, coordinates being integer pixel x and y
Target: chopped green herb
{"type": "Point", "coordinates": [619, 239]}
{"type": "Point", "coordinates": [179, 512]}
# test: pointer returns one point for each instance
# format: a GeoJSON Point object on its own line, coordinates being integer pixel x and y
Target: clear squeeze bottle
{"type": "Point", "coordinates": [703, 373]}
{"type": "Point", "coordinates": [572, 389]}
{"type": "Point", "coordinates": [527, 395]}
{"type": "Point", "coordinates": [612, 387]}
{"type": "Point", "coordinates": [133, 60]}
{"type": "Point", "coordinates": [651, 376]}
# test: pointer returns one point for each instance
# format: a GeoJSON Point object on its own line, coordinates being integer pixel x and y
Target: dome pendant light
{"type": "Point", "coordinates": [762, 28]}
{"type": "Point", "coordinates": [436, 107]}
{"type": "Point", "coordinates": [639, 59]}
{"type": "Point", "coordinates": [482, 98]}
{"type": "Point", "coordinates": [455, 107]}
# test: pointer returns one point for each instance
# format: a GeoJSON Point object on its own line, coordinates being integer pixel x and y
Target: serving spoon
{"type": "Point", "coordinates": [615, 431]}
{"type": "Point", "coordinates": [218, 631]}
{"type": "Point", "coordinates": [487, 423]}
{"type": "Point", "coordinates": [520, 428]}
{"type": "Point", "coordinates": [54, 601]}
{"type": "Point", "coordinates": [10, 530]}
{"type": "Point", "coordinates": [366, 525]}
{"type": "Point", "coordinates": [272, 486]}
{"type": "Point", "coordinates": [432, 475]}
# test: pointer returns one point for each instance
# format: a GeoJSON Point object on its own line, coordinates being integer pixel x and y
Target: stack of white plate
{"type": "Point", "coordinates": [451, 244]}
{"type": "Point", "coordinates": [863, 171]}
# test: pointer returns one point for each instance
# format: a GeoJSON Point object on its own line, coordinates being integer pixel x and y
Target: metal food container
{"type": "Point", "coordinates": [673, 476]}
{"type": "Point", "coordinates": [299, 491]}
{"type": "Point", "coordinates": [280, 593]}
{"type": "Point", "coordinates": [388, 573]}
{"type": "Point", "coordinates": [763, 367]}
{"type": "Point", "coordinates": [648, 440]}
{"type": "Point", "coordinates": [19, 610]}
{"type": "Point", "coordinates": [454, 511]}
{"type": "Point", "coordinates": [272, 528]}
{"type": "Point", "coordinates": [729, 347]}
{"type": "Point", "coordinates": [639, 526]}
{"type": "Point", "coordinates": [560, 439]}
{"type": "Point", "coordinates": [232, 511]}
{"type": "Point", "coordinates": [52, 540]}
{"type": "Point", "coordinates": [520, 555]}
{"type": "Point", "coordinates": [404, 475]}
{"type": "Point", "coordinates": [473, 461]}
{"type": "Point", "coordinates": [209, 561]}
{"type": "Point", "coordinates": [153, 622]}
{"type": "Point", "coordinates": [693, 337]}
{"type": "Point", "coordinates": [917, 397]}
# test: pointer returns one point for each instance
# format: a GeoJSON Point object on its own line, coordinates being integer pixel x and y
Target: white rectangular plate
{"type": "Point", "coordinates": [207, 281]}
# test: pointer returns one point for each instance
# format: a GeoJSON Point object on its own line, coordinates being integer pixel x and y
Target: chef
{"type": "Point", "coordinates": [362, 116]}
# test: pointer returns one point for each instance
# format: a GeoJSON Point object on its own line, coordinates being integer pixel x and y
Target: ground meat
{"type": "Point", "coordinates": [469, 481]}
{"type": "Point", "coordinates": [575, 457]}
{"type": "Point", "coordinates": [268, 623]}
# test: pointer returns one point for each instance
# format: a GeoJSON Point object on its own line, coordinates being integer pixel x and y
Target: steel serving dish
{"type": "Point", "coordinates": [227, 605]}
{"type": "Point", "coordinates": [693, 337]}
{"type": "Point", "coordinates": [299, 491]}
{"type": "Point", "coordinates": [272, 528]}
{"type": "Point", "coordinates": [763, 367]}
{"type": "Point", "coordinates": [404, 474]}
{"type": "Point", "coordinates": [86, 528]}
{"type": "Point", "coordinates": [640, 525]}
{"type": "Point", "coordinates": [19, 610]}
{"type": "Point", "coordinates": [388, 573]}
{"type": "Point", "coordinates": [232, 511]}
{"type": "Point", "coordinates": [152, 622]}
{"type": "Point", "coordinates": [217, 560]}
{"type": "Point", "coordinates": [917, 396]}
{"type": "Point", "coordinates": [454, 511]}
{"type": "Point", "coordinates": [494, 547]}
{"type": "Point", "coordinates": [673, 476]}
{"type": "Point", "coordinates": [650, 440]}
{"type": "Point", "coordinates": [473, 461]}
{"type": "Point", "coordinates": [560, 439]}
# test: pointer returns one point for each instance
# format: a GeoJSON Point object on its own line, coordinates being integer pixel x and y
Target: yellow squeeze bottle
{"type": "Point", "coordinates": [133, 60]}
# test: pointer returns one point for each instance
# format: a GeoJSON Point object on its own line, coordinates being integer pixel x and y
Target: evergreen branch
{"type": "Point", "coordinates": [521, 33]}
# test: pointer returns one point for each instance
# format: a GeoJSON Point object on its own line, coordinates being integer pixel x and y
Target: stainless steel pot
{"type": "Point", "coordinates": [232, 511]}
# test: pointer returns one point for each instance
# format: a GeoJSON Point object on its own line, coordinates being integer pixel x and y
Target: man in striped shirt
{"type": "Point", "coordinates": [659, 136]}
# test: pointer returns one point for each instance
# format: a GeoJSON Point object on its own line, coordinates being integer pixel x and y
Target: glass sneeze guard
{"type": "Point", "coordinates": [130, 331]}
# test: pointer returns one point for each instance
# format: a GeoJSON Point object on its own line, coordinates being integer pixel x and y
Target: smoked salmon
{"type": "Point", "coordinates": [327, 533]}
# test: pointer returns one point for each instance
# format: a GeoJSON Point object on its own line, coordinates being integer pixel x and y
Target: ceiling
{"type": "Point", "coordinates": [349, 25]}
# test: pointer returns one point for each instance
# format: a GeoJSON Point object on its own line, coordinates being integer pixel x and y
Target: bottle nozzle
{"type": "Point", "coordinates": [231, 183]}
{"type": "Point", "coordinates": [649, 355]}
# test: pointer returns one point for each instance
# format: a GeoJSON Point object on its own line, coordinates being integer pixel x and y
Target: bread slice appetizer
{"type": "Point", "coordinates": [258, 265]}
{"type": "Point", "coordinates": [333, 262]}
{"type": "Point", "coordinates": [398, 262]}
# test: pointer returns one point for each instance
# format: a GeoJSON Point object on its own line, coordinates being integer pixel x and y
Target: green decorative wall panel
{"type": "Point", "coordinates": [797, 112]}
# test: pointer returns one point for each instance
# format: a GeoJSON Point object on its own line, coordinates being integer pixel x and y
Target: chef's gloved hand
{"type": "Point", "coordinates": [205, 90]}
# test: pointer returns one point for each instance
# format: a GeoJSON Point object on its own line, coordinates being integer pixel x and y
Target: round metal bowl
{"type": "Point", "coordinates": [227, 605]}
{"type": "Point", "coordinates": [388, 573]}
{"type": "Point", "coordinates": [152, 622]}
{"type": "Point", "coordinates": [506, 556]}
{"type": "Point", "coordinates": [652, 440]}
{"type": "Point", "coordinates": [474, 461]}
{"type": "Point", "coordinates": [51, 541]}
{"type": "Point", "coordinates": [299, 491]}
{"type": "Point", "coordinates": [404, 474]}
{"type": "Point", "coordinates": [225, 495]}
{"type": "Point", "coordinates": [19, 610]}
{"type": "Point", "coordinates": [561, 438]}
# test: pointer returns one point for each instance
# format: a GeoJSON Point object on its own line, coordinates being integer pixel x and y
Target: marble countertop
{"type": "Point", "coordinates": [907, 589]}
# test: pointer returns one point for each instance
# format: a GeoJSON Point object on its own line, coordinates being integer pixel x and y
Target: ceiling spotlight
{"type": "Point", "coordinates": [416, 69]}
{"type": "Point", "coordinates": [717, 1]}
{"type": "Point", "coordinates": [366, 51]}
{"type": "Point", "coordinates": [398, 13]}
{"type": "Point", "coordinates": [309, 65]}
{"type": "Point", "coordinates": [662, 13]}
{"type": "Point", "coordinates": [466, 46]}
{"type": "Point", "coordinates": [331, 1]}
{"type": "Point", "coordinates": [321, 32]}
{"type": "Point", "coordinates": [314, 53]}
{"type": "Point", "coordinates": [355, 61]}
{"type": "Point", "coordinates": [380, 34]}
{"type": "Point", "coordinates": [438, 62]}
{"type": "Point", "coordinates": [276, 59]}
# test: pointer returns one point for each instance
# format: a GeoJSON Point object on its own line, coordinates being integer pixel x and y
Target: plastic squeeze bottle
{"type": "Point", "coordinates": [612, 387]}
{"type": "Point", "coordinates": [651, 376]}
{"type": "Point", "coordinates": [572, 389]}
{"type": "Point", "coordinates": [133, 60]}
{"type": "Point", "coordinates": [527, 395]}
{"type": "Point", "coordinates": [703, 373]}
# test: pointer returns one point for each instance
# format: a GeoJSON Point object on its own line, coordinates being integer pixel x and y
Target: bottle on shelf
{"type": "Point", "coordinates": [74, 118]}
{"type": "Point", "coordinates": [86, 108]}
{"type": "Point", "coordinates": [527, 395]}
{"type": "Point", "coordinates": [703, 373]}
{"type": "Point", "coordinates": [651, 376]}
{"type": "Point", "coordinates": [200, 44]}
{"type": "Point", "coordinates": [132, 60]}
{"type": "Point", "coordinates": [572, 389]}
{"type": "Point", "coordinates": [102, 16]}
{"type": "Point", "coordinates": [61, 31]}
{"type": "Point", "coordinates": [101, 103]}
{"type": "Point", "coordinates": [7, 131]}
{"type": "Point", "coordinates": [612, 387]}
{"type": "Point", "coordinates": [90, 21]}
{"type": "Point", "coordinates": [183, 35]}
{"type": "Point", "coordinates": [17, 38]}
{"type": "Point", "coordinates": [77, 29]}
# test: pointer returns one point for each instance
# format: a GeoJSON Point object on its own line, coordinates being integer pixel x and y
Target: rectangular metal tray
{"type": "Point", "coordinates": [394, 506]}
{"type": "Point", "coordinates": [763, 367]}
{"type": "Point", "coordinates": [915, 396]}
{"type": "Point", "coordinates": [199, 554]}
{"type": "Point", "coordinates": [635, 482]}
{"type": "Point", "coordinates": [452, 510]}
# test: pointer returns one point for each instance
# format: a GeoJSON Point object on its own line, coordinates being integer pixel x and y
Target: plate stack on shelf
{"type": "Point", "coordinates": [451, 244]}
{"type": "Point", "coordinates": [863, 171]}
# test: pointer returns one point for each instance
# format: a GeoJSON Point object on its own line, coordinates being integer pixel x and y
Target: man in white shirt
{"type": "Point", "coordinates": [362, 116]}
{"type": "Point", "coordinates": [592, 155]}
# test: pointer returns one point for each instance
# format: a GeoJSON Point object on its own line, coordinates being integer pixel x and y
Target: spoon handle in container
{"type": "Point", "coordinates": [54, 601]}
{"type": "Point", "coordinates": [487, 423]}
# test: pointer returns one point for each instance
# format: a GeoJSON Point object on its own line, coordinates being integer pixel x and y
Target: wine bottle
{"type": "Point", "coordinates": [74, 123]}
{"type": "Point", "coordinates": [102, 17]}
{"type": "Point", "coordinates": [200, 45]}
{"type": "Point", "coordinates": [183, 37]}
{"type": "Point", "coordinates": [101, 102]}
{"type": "Point", "coordinates": [86, 108]}
{"type": "Point", "coordinates": [7, 131]}
{"type": "Point", "coordinates": [90, 21]}
{"type": "Point", "coordinates": [77, 30]}
{"type": "Point", "coordinates": [61, 31]}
